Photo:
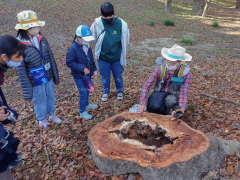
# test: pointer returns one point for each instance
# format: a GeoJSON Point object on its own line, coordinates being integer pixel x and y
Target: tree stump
{"type": "Point", "coordinates": [155, 147]}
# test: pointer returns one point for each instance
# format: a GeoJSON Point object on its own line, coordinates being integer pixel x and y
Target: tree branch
{"type": "Point", "coordinates": [220, 99]}
{"type": "Point", "coordinates": [49, 162]}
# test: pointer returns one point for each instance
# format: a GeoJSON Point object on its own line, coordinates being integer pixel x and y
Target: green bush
{"type": "Point", "coordinates": [187, 41]}
{"type": "Point", "coordinates": [168, 22]}
{"type": "Point", "coordinates": [152, 23]}
{"type": "Point", "coordinates": [215, 24]}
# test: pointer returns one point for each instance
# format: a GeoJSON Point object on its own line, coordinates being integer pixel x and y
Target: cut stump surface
{"type": "Point", "coordinates": [146, 139]}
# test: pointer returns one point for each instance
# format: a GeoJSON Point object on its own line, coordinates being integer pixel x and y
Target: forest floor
{"type": "Point", "coordinates": [215, 70]}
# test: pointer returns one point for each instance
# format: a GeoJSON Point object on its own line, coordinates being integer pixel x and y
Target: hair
{"type": "Point", "coordinates": [23, 34]}
{"type": "Point", "coordinates": [107, 9]}
{"type": "Point", "coordinates": [10, 45]}
{"type": "Point", "coordinates": [74, 38]}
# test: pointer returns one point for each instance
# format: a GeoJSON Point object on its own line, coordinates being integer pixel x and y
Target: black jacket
{"type": "Point", "coordinates": [33, 59]}
{"type": "Point", "coordinates": [77, 60]}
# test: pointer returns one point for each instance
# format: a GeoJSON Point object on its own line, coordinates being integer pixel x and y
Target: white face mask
{"type": "Point", "coordinates": [85, 42]}
{"type": "Point", "coordinates": [171, 67]}
{"type": "Point", "coordinates": [34, 31]}
{"type": "Point", "coordinates": [13, 64]}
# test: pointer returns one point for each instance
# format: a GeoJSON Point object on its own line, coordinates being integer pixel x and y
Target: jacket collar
{"type": "Point", "coordinates": [28, 41]}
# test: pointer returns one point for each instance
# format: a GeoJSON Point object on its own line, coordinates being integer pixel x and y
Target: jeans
{"type": "Point", "coordinates": [83, 95]}
{"type": "Point", "coordinates": [44, 100]}
{"type": "Point", "coordinates": [105, 69]}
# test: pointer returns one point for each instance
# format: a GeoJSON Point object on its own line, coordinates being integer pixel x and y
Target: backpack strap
{"type": "Point", "coordinates": [182, 69]}
{"type": "Point", "coordinates": [162, 72]}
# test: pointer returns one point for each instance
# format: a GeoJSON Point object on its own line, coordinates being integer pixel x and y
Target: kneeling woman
{"type": "Point", "coordinates": [172, 81]}
{"type": "Point", "coordinates": [80, 60]}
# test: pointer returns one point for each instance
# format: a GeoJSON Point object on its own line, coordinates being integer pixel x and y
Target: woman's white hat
{"type": "Point", "coordinates": [27, 20]}
{"type": "Point", "coordinates": [176, 53]}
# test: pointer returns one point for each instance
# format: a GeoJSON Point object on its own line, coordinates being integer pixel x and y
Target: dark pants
{"type": "Point", "coordinates": [162, 103]}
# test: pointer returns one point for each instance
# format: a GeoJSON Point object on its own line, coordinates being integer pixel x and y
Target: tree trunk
{"type": "Point", "coordinates": [205, 11]}
{"type": "Point", "coordinates": [238, 4]}
{"type": "Point", "coordinates": [168, 8]}
{"type": "Point", "coordinates": [155, 147]}
{"type": "Point", "coordinates": [198, 6]}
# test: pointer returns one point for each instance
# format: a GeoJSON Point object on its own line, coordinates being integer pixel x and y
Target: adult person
{"type": "Point", "coordinates": [81, 62]}
{"type": "Point", "coordinates": [11, 51]}
{"type": "Point", "coordinates": [172, 81]}
{"type": "Point", "coordinates": [112, 36]}
{"type": "Point", "coordinates": [38, 71]}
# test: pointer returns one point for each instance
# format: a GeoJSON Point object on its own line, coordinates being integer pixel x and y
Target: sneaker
{"type": "Point", "coordinates": [92, 106]}
{"type": "Point", "coordinates": [105, 97]}
{"type": "Point", "coordinates": [15, 164]}
{"type": "Point", "coordinates": [85, 115]}
{"type": "Point", "coordinates": [120, 96]}
{"type": "Point", "coordinates": [44, 123]}
{"type": "Point", "coordinates": [19, 157]}
{"type": "Point", "coordinates": [55, 119]}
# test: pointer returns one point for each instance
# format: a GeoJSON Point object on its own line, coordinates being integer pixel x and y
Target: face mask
{"type": "Point", "coordinates": [108, 21]}
{"type": "Point", "coordinates": [85, 42]}
{"type": "Point", "coordinates": [34, 31]}
{"type": "Point", "coordinates": [13, 64]}
{"type": "Point", "coordinates": [171, 67]}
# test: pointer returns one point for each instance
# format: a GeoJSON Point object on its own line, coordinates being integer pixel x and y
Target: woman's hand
{"type": "Point", "coordinates": [178, 112]}
{"type": "Point", "coordinates": [141, 108]}
{"type": "Point", "coordinates": [86, 71]}
{"type": "Point", "coordinates": [3, 116]}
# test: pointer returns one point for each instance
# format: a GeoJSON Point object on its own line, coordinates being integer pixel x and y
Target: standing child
{"type": "Point", "coordinates": [38, 70]}
{"type": "Point", "coordinates": [80, 60]}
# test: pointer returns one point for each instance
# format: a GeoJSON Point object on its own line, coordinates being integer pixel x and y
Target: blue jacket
{"type": "Point", "coordinates": [77, 60]}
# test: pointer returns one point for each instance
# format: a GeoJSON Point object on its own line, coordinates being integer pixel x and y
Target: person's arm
{"type": "Point", "coordinates": [183, 97]}
{"type": "Point", "coordinates": [182, 104]}
{"type": "Point", "coordinates": [94, 30]}
{"type": "Point", "coordinates": [72, 63]}
{"type": "Point", "coordinates": [25, 81]}
{"type": "Point", "coordinates": [151, 80]}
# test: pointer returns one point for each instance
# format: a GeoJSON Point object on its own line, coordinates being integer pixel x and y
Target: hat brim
{"type": "Point", "coordinates": [187, 57]}
{"type": "Point", "coordinates": [88, 38]}
{"type": "Point", "coordinates": [30, 25]}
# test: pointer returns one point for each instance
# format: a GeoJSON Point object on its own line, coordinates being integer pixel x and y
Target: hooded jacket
{"type": "Point", "coordinates": [77, 60]}
{"type": "Point", "coordinates": [97, 28]}
{"type": "Point", "coordinates": [33, 59]}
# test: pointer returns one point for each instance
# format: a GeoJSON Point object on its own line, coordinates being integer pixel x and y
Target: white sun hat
{"type": "Point", "coordinates": [28, 19]}
{"type": "Point", "coordinates": [85, 33]}
{"type": "Point", "coordinates": [176, 53]}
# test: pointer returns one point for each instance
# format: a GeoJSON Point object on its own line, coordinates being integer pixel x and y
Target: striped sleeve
{"type": "Point", "coordinates": [184, 91]}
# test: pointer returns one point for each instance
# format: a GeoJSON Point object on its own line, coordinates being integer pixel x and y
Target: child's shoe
{"type": "Point", "coordinates": [91, 106]}
{"type": "Point", "coordinates": [105, 97]}
{"type": "Point", "coordinates": [44, 123]}
{"type": "Point", "coordinates": [55, 119]}
{"type": "Point", "coordinates": [86, 115]}
{"type": "Point", "coordinates": [119, 96]}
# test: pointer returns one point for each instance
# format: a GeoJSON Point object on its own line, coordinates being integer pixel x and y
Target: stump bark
{"type": "Point", "coordinates": [155, 147]}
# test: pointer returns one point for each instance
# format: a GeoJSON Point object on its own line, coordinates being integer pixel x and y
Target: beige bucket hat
{"type": "Point", "coordinates": [27, 20]}
{"type": "Point", "coordinates": [176, 53]}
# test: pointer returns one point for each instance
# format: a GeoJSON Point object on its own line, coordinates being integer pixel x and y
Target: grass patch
{"type": "Point", "coordinates": [215, 24]}
{"type": "Point", "coordinates": [186, 41]}
{"type": "Point", "coordinates": [168, 22]}
{"type": "Point", "coordinates": [152, 23]}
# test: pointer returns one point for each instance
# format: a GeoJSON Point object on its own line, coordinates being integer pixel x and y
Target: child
{"type": "Point", "coordinates": [38, 70]}
{"type": "Point", "coordinates": [11, 51]}
{"type": "Point", "coordinates": [80, 60]}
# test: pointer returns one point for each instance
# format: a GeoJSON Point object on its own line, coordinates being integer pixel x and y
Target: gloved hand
{"type": "Point", "coordinates": [177, 112]}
